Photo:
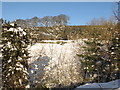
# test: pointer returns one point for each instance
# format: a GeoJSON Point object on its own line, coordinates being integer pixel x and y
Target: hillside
{"type": "Point", "coordinates": [68, 32]}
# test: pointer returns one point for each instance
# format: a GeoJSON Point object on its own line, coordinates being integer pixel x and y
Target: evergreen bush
{"type": "Point", "coordinates": [15, 55]}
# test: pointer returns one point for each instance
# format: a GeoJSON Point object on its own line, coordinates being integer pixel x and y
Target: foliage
{"type": "Point", "coordinates": [15, 55]}
{"type": "Point", "coordinates": [66, 32]}
{"type": "Point", "coordinates": [114, 53]}
{"type": "Point", "coordinates": [97, 61]}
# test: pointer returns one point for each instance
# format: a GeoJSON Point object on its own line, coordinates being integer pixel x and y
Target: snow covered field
{"type": "Point", "coordinates": [113, 85]}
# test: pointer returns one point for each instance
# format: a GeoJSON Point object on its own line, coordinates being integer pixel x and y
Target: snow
{"type": "Point", "coordinates": [28, 86]}
{"type": "Point", "coordinates": [53, 50]}
{"type": "Point", "coordinates": [11, 29]}
{"type": "Point", "coordinates": [0, 54]}
{"type": "Point", "coordinates": [46, 33]}
{"type": "Point", "coordinates": [9, 60]}
{"type": "Point", "coordinates": [19, 29]}
{"type": "Point", "coordinates": [12, 24]}
{"type": "Point", "coordinates": [50, 50]}
{"type": "Point", "coordinates": [55, 59]}
{"type": "Point", "coordinates": [24, 33]}
{"type": "Point", "coordinates": [55, 41]}
{"type": "Point", "coordinates": [112, 84]}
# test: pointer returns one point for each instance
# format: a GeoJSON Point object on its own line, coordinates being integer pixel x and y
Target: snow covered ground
{"type": "Point", "coordinates": [113, 85]}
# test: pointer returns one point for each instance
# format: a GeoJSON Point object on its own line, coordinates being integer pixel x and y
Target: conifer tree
{"type": "Point", "coordinates": [15, 55]}
{"type": "Point", "coordinates": [96, 61]}
{"type": "Point", "coordinates": [114, 53]}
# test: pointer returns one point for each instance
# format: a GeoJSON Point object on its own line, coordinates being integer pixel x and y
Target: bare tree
{"type": "Point", "coordinates": [103, 21]}
{"type": "Point", "coordinates": [94, 21]}
{"type": "Point", "coordinates": [117, 11]}
{"type": "Point", "coordinates": [46, 21]}
{"type": "Point", "coordinates": [33, 22]}
{"type": "Point", "coordinates": [20, 22]}
{"type": "Point", "coordinates": [55, 25]}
